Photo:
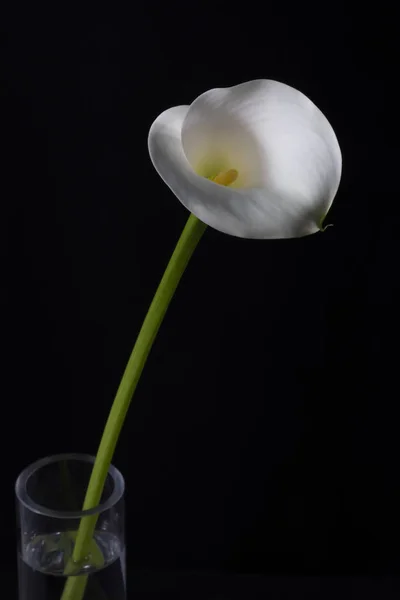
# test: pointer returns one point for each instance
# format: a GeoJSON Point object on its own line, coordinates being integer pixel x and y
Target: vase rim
{"type": "Point", "coordinates": [25, 499]}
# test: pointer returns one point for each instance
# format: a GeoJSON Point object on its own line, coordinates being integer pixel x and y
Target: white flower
{"type": "Point", "coordinates": [256, 160]}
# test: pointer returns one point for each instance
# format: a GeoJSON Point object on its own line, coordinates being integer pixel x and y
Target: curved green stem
{"type": "Point", "coordinates": [191, 235]}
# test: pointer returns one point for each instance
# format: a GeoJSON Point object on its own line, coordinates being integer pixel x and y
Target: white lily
{"type": "Point", "coordinates": [258, 160]}
{"type": "Point", "coordinates": [274, 152]}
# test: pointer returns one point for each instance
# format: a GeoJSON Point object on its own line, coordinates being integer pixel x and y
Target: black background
{"type": "Point", "coordinates": [263, 433]}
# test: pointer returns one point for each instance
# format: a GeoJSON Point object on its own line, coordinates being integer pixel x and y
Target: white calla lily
{"type": "Point", "coordinates": [256, 160]}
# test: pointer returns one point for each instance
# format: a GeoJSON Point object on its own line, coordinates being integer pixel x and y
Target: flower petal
{"type": "Point", "coordinates": [285, 151]}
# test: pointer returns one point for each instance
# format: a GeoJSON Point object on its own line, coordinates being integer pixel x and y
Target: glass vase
{"type": "Point", "coordinates": [50, 495]}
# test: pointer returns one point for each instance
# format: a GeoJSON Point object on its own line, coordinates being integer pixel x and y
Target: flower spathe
{"type": "Point", "coordinates": [256, 160]}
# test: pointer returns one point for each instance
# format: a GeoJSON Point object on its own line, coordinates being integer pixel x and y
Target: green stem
{"type": "Point", "coordinates": [185, 247]}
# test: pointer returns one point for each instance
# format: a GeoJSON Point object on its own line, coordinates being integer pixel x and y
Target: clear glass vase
{"type": "Point", "coordinates": [50, 494]}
